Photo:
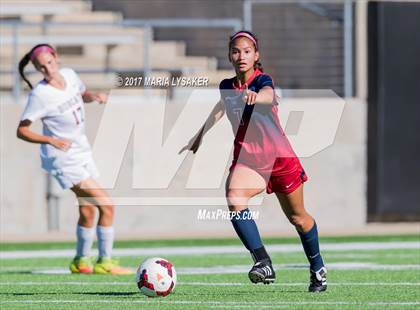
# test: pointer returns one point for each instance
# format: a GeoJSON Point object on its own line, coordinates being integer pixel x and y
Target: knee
{"type": "Point", "coordinates": [298, 221]}
{"type": "Point", "coordinates": [232, 193]}
{"type": "Point", "coordinates": [107, 211]}
{"type": "Point", "coordinates": [236, 208]}
{"type": "Point", "coordinates": [237, 199]}
{"type": "Point", "coordinates": [87, 217]}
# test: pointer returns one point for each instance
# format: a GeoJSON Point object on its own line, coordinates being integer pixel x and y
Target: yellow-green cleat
{"type": "Point", "coordinates": [106, 265]}
{"type": "Point", "coordinates": [81, 264]}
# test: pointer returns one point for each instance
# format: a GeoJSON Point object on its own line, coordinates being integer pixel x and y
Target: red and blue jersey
{"type": "Point", "coordinates": [260, 142]}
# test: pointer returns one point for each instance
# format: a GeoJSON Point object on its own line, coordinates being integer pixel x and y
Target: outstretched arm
{"type": "Point", "coordinates": [264, 96]}
{"type": "Point", "coordinates": [215, 115]}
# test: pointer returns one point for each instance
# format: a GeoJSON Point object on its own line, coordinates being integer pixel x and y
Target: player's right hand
{"type": "Point", "coordinates": [194, 143]}
{"type": "Point", "coordinates": [248, 96]}
{"type": "Point", "coordinates": [61, 144]}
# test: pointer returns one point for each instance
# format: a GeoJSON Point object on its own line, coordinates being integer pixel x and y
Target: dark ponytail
{"type": "Point", "coordinates": [22, 64]}
{"type": "Point", "coordinates": [257, 64]}
{"type": "Point", "coordinates": [25, 60]}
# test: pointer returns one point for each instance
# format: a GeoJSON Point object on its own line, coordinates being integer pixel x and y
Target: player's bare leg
{"type": "Point", "coordinates": [85, 231]}
{"type": "Point", "coordinates": [243, 184]}
{"type": "Point", "coordinates": [87, 213]}
{"type": "Point", "coordinates": [91, 192]}
{"type": "Point", "coordinates": [293, 206]}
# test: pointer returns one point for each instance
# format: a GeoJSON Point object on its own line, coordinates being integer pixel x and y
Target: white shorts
{"type": "Point", "coordinates": [72, 175]}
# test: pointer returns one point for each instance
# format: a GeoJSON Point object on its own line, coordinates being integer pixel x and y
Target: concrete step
{"type": "Point", "coordinates": [20, 8]}
{"type": "Point", "coordinates": [81, 17]}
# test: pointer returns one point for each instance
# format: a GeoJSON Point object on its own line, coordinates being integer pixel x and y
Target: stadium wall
{"type": "Point", "coordinates": [394, 112]}
{"type": "Point", "coordinates": [335, 192]}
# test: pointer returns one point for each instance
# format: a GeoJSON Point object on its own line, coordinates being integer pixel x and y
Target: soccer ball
{"type": "Point", "coordinates": [156, 277]}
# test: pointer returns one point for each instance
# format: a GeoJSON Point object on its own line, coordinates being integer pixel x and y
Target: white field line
{"type": "Point", "coordinates": [332, 266]}
{"type": "Point", "coordinates": [235, 269]}
{"type": "Point", "coordinates": [353, 255]}
{"type": "Point", "coordinates": [132, 283]}
{"type": "Point", "coordinates": [222, 303]}
{"type": "Point", "coordinates": [367, 255]}
{"type": "Point", "coordinates": [203, 250]}
{"type": "Point", "coordinates": [226, 269]}
{"type": "Point", "coordinates": [286, 305]}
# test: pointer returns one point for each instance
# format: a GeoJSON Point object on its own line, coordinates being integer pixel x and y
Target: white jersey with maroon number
{"type": "Point", "coordinates": [62, 114]}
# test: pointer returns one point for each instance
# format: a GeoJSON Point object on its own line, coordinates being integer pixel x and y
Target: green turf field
{"type": "Point", "coordinates": [360, 278]}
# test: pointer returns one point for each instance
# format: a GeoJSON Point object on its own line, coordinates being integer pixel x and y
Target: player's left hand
{"type": "Point", "coordinates": [249, 96]}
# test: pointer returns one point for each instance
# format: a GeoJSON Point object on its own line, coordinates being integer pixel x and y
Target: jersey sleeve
{"type": "Point", "coordinates": [223, 85]}
{"type": "Point", "coordinates": [34, 110]}
{"type": "Point", "coordinates": [265, 80]}
{"type": "Point", "coordinates": [223, 88]}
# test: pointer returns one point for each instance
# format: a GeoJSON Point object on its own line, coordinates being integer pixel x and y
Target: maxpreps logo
{"type": "Point", "coordinates": [157, 129]}
{"type": "Point", "coordinates": [222, 214]}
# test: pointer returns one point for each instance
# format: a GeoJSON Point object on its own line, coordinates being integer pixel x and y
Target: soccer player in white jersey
{"type": "Point", "coordinates": [58, 101]}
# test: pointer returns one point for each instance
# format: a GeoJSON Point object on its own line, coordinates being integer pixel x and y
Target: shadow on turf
{"type": "Point", "coordinates": [19, 294]}
{"type": "Point", "coordinates": [244, 292]}
{"type": "Point", "coordinates": [84, 293]}
{"type": "Point", "coordinates": [16, 272]}
{"type": "Point", "coordinates": [109, 293]}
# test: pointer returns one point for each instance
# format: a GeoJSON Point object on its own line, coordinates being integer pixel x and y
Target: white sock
{"type": "Point", "coordinates": [84, 240]}
{"type": "Point", "coordinates": [105, 240]}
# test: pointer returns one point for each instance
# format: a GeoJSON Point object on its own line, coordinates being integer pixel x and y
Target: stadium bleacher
{"type": "Point", "coordinates": [92, 42]}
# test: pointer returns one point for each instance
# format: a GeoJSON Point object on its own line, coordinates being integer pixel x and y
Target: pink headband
{"type": "Point", "coordinates": [41, 49]}
{"type": "Point", "coordinates": [247, 35]}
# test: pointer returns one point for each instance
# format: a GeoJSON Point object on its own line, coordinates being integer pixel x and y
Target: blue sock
{"type": "Point", "coordinates": [311, 246]}
{"type": "Point", "coordinates": [247, 230]}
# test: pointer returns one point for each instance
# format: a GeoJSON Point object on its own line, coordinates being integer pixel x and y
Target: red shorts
{"type": "Point", "coordinates": [287, 183]}
{"type": "Point", "coordinates": [284, 183]}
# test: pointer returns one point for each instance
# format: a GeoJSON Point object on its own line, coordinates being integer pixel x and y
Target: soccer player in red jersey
{"type": "Point", "coordinates": [263, 159]}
